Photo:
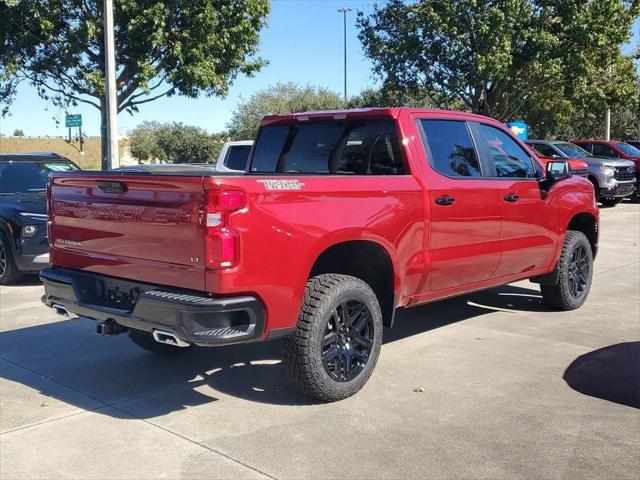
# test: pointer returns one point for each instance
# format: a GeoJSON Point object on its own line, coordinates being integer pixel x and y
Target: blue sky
{"type": "Point", "coordinates": [303, 43]}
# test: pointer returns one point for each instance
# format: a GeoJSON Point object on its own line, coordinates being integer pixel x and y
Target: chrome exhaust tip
{"type": "Point", "coordinates": [162, 336]}
{"type": "Point", "coordinates": [62, 310]}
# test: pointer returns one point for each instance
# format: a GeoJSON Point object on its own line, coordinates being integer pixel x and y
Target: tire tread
{"type": "Point", "coordinates": [305, 373]}
{"type": "Point", "coordinates": [558, 295]}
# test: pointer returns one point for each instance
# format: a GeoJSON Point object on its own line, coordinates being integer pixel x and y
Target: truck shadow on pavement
{"type": "Point", "coordinates": [67, 361]}
{"type": "Point", "coordinates": [27, 280]}
{"type": "Point", "coordinates": [611, 373]}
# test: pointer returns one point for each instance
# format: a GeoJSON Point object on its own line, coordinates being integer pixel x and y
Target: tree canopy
{"type": "Point", "coordinates": [185, 47]}
{"type": "Point", "coordinates": [503, 58]}
{"type": "Point", "coordinates": [278, 98]}
{"type": "Point", "coordinates": [173, 143]}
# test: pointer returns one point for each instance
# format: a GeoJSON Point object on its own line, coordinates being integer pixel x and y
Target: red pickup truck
{"type": "Point", "coordinates": [342, 218]}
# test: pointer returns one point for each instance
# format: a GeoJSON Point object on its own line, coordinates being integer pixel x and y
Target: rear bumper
{"type": "Point", "coordinates": [193, 317]}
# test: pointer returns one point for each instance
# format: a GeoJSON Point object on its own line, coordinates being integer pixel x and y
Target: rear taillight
{"type": "Point", "coordinates": [49, 215]}
{"type": "Point", "coordinates": [222, 241]}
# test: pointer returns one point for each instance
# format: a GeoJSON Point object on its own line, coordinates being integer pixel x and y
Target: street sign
{"type": "Point", "coordinates": [73, 121]}
{"type": "Point", "coordinates": [519, 129]}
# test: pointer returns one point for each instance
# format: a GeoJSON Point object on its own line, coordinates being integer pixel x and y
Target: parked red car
{"type": "Point", "coordinates": [341, 219]}
{"type": "Point", "coordinates": [614, 149]}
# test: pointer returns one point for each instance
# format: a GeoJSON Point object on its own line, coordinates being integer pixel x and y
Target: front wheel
{"type": "Point", "coordinates": [611, 201]}
{"type": "Point", "coordinates": [575, 272]}
{"type": "Point", "coordinates": [337, 341]}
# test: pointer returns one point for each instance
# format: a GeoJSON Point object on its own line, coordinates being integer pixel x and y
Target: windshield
{"type": "Point", "coordinates": [24, 177]}
{"type": "Point", "coordinates": [628, 149]}
{"type": "Point", "coordinates": [571, 150]}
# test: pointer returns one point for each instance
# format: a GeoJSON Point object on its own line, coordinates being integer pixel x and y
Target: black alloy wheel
{"type": "Point", "coordinates": [348, 339]}
{"type": "Point", "coordinates": [579, 269]}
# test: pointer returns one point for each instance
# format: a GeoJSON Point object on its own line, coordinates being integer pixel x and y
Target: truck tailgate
{"type": "Point", "coordinates": [142, 227]}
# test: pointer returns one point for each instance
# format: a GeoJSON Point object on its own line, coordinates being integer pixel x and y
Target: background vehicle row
{"type": "Point", "coordinates": [613, 179]}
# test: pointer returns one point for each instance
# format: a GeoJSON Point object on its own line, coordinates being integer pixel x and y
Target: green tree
{"type": "Point", "coordinates": [18, 132]}
{"type": "Point", "coordinates": [184, 47]}
{"type": "Point", "coordinates": [143, 142]}
{"type": "Point", "coordinates": [552, 114]}
{"type": "Point", "coordinates": [384, 97]}
{"type": "Point", "coordinates": [278, 98]}
{"type": "Point", "coordinates": [173, 143]}
{"type": "Point", "coordinates": [493, 55]}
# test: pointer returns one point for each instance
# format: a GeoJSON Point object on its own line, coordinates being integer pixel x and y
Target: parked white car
{"type": "Point", "coordinates": [234, 156]}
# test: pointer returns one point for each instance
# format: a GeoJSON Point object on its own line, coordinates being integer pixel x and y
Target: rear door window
{"type": "Point", "coordinates": [450, 148]}
{"type": "Point", "coordinates": [358, 147]}
{"type": "Point", "coordinates": [506, 157]}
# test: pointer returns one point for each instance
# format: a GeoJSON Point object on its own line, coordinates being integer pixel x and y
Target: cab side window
{"type": "Point", "coordinates": [603, 150]}
{"type": "Point", "coordinates": [505, 155]}
{"type": "Point", "coordinates": [545, 150]}
{"type": "Point", "coordinates": [587, 146]}
{"type": "Point", "coordinates": [450, 148]}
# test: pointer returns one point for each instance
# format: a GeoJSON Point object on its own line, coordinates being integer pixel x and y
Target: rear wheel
{"type": "Point", "coordinates": [9, 272]}
{"type": "Point", "coordinates": [575, 271]}
{"type": "Point", "coordinates": [145, 340]}
{"type": "Point", "coordinates": [337, 341]}
{"type": "Point", "coordinates": [611, 201]}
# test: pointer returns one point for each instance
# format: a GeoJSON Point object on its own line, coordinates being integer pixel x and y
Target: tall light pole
{"type": "Point", "coordinates": [611, 72]}
{"type": "Point", "coordinates": [110, 90]}
{"type": "Point", "coordinates": [344, 12]}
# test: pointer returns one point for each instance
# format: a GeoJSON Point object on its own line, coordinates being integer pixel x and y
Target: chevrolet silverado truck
{"type": "Point", "coordinates": [341, 219]}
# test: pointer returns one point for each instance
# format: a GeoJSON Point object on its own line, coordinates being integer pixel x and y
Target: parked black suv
{"type": "Point", "coordinates": [24, 246]}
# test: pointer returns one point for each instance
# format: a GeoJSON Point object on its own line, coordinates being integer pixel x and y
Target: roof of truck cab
{"type": "Point", "coordinates": [390, 112]}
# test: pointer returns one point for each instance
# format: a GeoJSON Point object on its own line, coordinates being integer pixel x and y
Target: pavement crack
{"type": "Point", "coordinates": [617, 268]}
{"type": "Point", "coordinates": [195, 442]}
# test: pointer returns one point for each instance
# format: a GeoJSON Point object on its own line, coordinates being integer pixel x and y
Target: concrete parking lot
{"type": "Point", "coordinates": [492, 385]}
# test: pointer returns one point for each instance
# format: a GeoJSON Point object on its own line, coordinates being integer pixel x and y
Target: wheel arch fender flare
{"type": "Point", "coordinates": [351, 236]}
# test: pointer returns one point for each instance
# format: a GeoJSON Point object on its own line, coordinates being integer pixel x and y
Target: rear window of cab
{"type": "Point", "coordinates": [350, 147]}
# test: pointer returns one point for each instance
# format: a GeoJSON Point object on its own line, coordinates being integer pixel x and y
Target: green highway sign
{"type": "Point", "coordinates": [73, 121]}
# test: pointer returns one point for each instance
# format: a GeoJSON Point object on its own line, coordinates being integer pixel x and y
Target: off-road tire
{"type": "Point", "coordinates": [145, 340]}
{"type": "Point", "coordinates": [559, 295]}
{"type": "Point", "coordinates": [302, 352]}
{"type": "Point", "coordinates": [9, 272]}
{"type": "Point", "coordinates": [611, 201]}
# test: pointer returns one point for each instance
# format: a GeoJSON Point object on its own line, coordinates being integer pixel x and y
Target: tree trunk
{"type": "Point", "coordinates": [105, 162]}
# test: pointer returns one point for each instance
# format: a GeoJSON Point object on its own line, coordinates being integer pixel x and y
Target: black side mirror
{"type": "Point", "coordinates": [557, 171]}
